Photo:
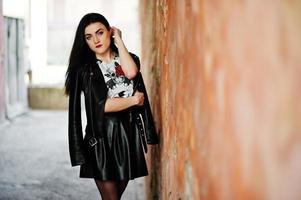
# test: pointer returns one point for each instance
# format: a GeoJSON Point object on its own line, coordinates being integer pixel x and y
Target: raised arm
{"type": "Point", "coordinates": [127, 63]}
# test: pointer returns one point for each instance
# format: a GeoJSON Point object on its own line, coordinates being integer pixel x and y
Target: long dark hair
{"type": "Point", "coordinates": [81, 54]}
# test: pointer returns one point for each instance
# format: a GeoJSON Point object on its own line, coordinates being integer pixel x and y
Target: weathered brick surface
{"type": "Point", "coordinates": [224, 81]}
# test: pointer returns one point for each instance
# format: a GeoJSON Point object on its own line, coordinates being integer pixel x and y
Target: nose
{"type": "Point", "coordinates": [95, 40]}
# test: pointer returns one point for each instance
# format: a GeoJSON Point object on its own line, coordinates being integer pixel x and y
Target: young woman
{"type": "Point", "coordinates": [117, 108]}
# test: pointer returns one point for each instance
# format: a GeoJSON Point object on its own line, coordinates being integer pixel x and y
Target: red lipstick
{"type": "Point", "coordinates": [98, 46]}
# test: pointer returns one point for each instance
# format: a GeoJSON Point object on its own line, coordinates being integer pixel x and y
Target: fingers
{"type": "Point", "coordinates": [141, 101]}
{"type": "Point", "coordinates": [138, 93]}
{"type": "Point", "coordinates": [140, 97]}
{"type": "Point", "coordinates": [115, 31]}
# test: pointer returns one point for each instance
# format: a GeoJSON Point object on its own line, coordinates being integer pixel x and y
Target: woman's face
{"type": "Point", "coordinates": [98, 37]}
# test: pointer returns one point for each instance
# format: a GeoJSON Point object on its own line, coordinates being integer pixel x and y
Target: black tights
{"type": "Point", "coordinates": [111, 190]}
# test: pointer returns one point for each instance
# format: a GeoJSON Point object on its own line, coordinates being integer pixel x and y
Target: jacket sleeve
{"type": "Point", "coordinates": [150, 129]}
{"type": "Point", "coordinates": [75, 133]}
{"type": "Point", "coordinates": [145, 110]}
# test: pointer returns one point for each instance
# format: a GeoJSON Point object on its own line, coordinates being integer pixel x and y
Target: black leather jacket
{"type": "Point", "coordinates": [90, 81]}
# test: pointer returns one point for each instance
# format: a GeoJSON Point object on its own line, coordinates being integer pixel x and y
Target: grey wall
{"type": "Point", "coordinates": [15, 88]}
{"type": "Point", "coordinates": [2, 93]}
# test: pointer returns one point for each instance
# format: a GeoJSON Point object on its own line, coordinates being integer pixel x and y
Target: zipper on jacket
{"type": "Point", "coordinates": [93, 140]}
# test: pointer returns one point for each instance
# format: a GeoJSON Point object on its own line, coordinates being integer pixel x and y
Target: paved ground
{"type": "Point", "coordinates": [34, 162]}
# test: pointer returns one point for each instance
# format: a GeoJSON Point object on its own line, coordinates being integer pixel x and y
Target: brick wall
{"type": "Point", "coordinates": [224, 81]}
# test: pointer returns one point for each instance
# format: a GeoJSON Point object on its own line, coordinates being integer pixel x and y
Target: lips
{"type": "Point", "coordinates": [98, 46]}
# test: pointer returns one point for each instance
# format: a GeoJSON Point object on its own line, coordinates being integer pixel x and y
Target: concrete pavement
{"type": "Point", "coordinates": [34, 162]}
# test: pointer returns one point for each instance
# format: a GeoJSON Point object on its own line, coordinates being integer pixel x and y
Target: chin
{"type": "Point", "coordinates": [101, 51]}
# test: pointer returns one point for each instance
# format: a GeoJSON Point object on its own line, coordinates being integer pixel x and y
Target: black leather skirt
{"type": "Point", "coordinates": [119, 154]}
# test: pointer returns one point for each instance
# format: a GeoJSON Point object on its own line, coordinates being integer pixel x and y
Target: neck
{"type": "Point", "coordinates": [106, 56]}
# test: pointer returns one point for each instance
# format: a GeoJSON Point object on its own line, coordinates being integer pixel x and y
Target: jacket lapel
{"type": "Point", "coordinates": [97, 74]}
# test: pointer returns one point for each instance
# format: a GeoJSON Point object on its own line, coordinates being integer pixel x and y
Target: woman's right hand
{"type": "Point", "coordinates": [138, 98]}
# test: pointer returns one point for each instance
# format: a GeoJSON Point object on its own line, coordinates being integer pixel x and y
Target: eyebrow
{"type": "Point", "coordinates": [100, 29]}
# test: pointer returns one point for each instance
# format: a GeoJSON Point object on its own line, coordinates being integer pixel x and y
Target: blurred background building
{"type": "Point", "coordinates": [37, 37]}
{"type": "Point", "coordinates": [13, 89]}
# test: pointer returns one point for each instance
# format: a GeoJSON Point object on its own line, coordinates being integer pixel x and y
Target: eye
{"type": "Point", "coordinates": [88, 37]}
{"type": "Point", "coordinates": [100, 33]}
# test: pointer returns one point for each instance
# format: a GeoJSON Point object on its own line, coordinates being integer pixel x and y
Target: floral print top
{"type": "Point", "coordinates": [117, 83]}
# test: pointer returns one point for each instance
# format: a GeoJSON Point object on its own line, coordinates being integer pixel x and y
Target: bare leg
{"type": "Point", "coordinates": [109, 190]}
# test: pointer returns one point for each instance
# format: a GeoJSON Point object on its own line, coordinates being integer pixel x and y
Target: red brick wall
{"type": "Point", "coordinates": [2, 81]}
{"type": "Point", "coordinates": [225, 88]}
